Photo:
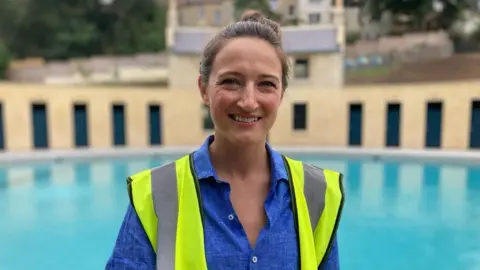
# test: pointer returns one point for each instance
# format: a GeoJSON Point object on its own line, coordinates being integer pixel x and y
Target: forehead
{"type": "Point", "coordinates": [247, 54]}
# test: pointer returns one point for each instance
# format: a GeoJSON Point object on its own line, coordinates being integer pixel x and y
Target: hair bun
{"type": "Point", "coordinates": [252, 15]}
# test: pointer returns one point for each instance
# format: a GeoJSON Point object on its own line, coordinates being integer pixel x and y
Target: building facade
{"type": "Point", "coordinates": [221, 12]}
{"type": "Point", "coordinates": [435, 116]}
{"type": "Point", "coordinates": [315, 11]}
{"type": "Point", "coordinates": [314, 51]}
{"type": "Point", "coordinates": [214, 13]}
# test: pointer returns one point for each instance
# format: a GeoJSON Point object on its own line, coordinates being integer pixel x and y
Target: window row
{"type": "Point", "coordinates": [40, 131]}
{"type": "Point", "coordinates": [433, 134]}
{"type": "Point", "coordinates": [433, 125]}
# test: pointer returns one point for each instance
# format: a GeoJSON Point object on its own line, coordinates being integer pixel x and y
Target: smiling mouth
{"type": "Point", "coordinates": [244, 119]}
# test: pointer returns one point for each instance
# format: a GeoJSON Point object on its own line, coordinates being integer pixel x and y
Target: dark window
{"type": "Point", "coordinates": [299, 116]}
{"type": "Point", "coordinates": [154, 112]}
{"type": "Point", "coordinates": [118, 124]}
{"type": "Point", "coordinates": [475, 125]}
{"type": "Point", "coordinates": [355, 125]}
{"type": "Point", "coordinates": [291, 10]}
{"type": "Point", "coordinates": [434, 124]}
{"type": "Point", "coordinates": [81, 125]}
{"type": "Point", "coordinates": [301, 69]}
{"type": "Point", "coordinates": [393, 124]}
{"type": "Point", "coordinates": [2, 130]}
{"type": "Point", "coordinates": [207, 118]}
{"type": "Point", "coordinates": [314, 18]}
{"type": "Point", "coordinates": [40, 125]}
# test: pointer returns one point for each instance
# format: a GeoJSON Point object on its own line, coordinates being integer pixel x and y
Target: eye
{"type": "Point", "coordinates": [268, 84]}
{"type": "Point", "coordinates": [230, 82]}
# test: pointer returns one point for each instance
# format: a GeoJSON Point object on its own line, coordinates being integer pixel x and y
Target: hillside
{"type": "Point", "coordinates": [457, 67]}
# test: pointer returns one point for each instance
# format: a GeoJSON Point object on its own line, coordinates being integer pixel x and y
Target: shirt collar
{"type": "Point", "coordinates": [204, 168]}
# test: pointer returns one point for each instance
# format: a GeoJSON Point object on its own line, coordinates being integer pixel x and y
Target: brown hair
{"type": "Point", "coordinates": [251, 24]}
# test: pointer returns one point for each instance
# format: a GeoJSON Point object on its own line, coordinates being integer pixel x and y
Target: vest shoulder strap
{"type": "Point", "coordinates": [322, 186]}
{"type": "Point", "coordinates": [325, 206]}
{"type": "Point", "coordinates": [323, 192]}
{"type": "Point", "coordinates": [142, 190]}
{"type": "Point", "coordinates": [166, 201]}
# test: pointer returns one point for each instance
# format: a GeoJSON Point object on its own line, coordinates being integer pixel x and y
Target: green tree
{"type": "Point", "coordinates": [451, 12]}
{"type": "Point", "coordinates": [55, 29]}
{"type": "Point", "coordinates": [131, 26]}
{"type": "Point", "coordinates": [5, 58]}
{"type": "Point", "coordinates": [59, 29]}
{"type": "Point", "coordinates": [414, 13]}
{"type": "Point", "coordinates": [11, 15]}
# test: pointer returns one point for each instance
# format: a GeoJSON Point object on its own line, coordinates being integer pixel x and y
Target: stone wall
{"type": "Point", "coordinates": [396, 50]}
{"type": "Point", "coordinates": [97, 69]}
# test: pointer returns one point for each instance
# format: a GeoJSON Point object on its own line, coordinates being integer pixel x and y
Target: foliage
{"type": "Point", "coordinates": [352, 37]}
{"type": "Point", "coordinates": [59, 29]}
{"type": "Point", "coordinates": [476, 35]}
{"type": "Point", "coordinates": [292, 21]}
{"type": "Point", "coordinates": [5, 58]}
{"type": "Point", "coordinates": [416, 14]}
{"type": "Point", "coordinates": [130, 26]}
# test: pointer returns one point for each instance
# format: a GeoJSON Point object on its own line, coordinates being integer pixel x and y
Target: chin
{"type": "Point", "coordinates": [246, 139]}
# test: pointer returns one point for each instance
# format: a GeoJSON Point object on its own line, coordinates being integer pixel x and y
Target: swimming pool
{"type": "Point", "coordinates": [398, 215]}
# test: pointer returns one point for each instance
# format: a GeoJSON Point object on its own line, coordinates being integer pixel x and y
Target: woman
{"type": "Point", "coordinates": [235, 203]}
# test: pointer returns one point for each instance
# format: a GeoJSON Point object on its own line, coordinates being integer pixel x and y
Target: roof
{"type": "Point", "coordinates": [296, 40]}
{"type": "Point", "coordinates": [310, 40]}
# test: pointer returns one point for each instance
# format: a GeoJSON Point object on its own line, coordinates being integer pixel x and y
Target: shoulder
{"type": "Point", "coordinates": [313, 170]}
{"type": "Point", "coordinates": [139, 185]}
{"type": "Point", "coordinates": [148, 174]}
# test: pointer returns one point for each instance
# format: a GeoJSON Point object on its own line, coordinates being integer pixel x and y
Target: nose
{"type": "Point", "coordinates": [248, 99]}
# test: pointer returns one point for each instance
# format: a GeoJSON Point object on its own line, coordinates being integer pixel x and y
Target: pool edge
{"type": "Point", "coordinates": [76, 154]}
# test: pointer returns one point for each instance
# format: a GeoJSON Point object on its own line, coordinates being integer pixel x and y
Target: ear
{"type": "Point", "coordinates": [203, 91]}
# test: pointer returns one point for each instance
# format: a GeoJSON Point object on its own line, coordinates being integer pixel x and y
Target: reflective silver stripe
{"type": "Point", "coordinates": [165, 201]}
{"type": "Point", "coordinates": [315, 186]}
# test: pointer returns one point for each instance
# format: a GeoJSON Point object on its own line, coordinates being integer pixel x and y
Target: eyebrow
{"type": "Point", "coordinates": [235, 73]}
{"type": "Point", "coordinates": [270, 76]}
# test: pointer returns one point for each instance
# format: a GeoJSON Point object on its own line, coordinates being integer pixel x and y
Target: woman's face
{"type": "Point", "coordinates": [244, 90]}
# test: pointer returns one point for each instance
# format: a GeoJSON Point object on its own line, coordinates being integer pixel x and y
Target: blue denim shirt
{"type": "Point", "coordinates": [226, 244]}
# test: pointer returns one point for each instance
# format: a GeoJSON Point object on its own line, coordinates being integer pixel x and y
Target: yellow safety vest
{"type": "Point", "coordinates": [168, 202]}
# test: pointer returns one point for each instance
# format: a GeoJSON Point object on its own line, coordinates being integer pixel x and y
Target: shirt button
{"type": "Point", "coordinates": [230, 217]}
{"type": "Point", "coordinates": [254, 259]}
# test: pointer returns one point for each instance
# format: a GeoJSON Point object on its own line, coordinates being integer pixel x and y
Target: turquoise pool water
{"type": "Point", "coordinates": [398, 215]}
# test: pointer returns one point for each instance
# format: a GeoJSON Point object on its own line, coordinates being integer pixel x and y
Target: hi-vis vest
{"type": "Point", "coordinates": [168, 202]}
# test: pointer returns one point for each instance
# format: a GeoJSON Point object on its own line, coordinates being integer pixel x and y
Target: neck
{"type": "Point", "coordinates": [238, 161]}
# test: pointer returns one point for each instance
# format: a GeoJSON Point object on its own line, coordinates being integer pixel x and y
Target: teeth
{"type": "Point", "coordinates": [245, 119]}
